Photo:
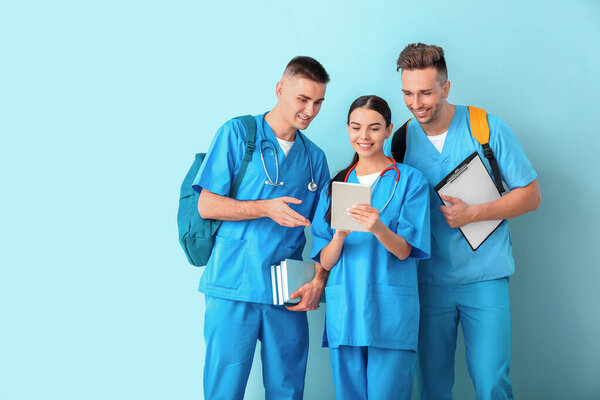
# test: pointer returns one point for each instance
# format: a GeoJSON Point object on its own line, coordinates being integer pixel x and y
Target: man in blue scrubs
{"type": "Point", "coordinates": [458, 284]}
{"type": "Point", "coordinates": [262, 226]}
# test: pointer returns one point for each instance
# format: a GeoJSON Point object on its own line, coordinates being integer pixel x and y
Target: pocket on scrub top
{"type": "Point", "coordinates": [228, 263]}
{"type": "Point", "coordinates": [397, 313]}
{"type": "Point", "coordinates": [334, 312]}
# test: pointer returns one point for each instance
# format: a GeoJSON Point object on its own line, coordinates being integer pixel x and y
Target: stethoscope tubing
{"type": "Point", "coordinates": [312, 185]}
{"type": "Point", "coordinates": [269, 181]}
{"type": "Point", "coordinates": [391, 167]}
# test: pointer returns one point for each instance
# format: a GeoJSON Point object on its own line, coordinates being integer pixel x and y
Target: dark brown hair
{"type": "Point", "coordinates": [421, 56]}
{"type": "Point", "coordinates": [307, 67]}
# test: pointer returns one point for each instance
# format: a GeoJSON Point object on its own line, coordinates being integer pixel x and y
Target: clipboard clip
{"type": "Point", "coordinates": [458, 172]}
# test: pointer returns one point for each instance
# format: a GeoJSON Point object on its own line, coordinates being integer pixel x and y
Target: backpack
{"type": "Point", "coordinates": [196, 234]}
{"type": "Point", "coordinates": [480, 131]}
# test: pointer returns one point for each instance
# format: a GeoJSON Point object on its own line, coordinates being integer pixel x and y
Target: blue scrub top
{"type": "Point", "coordinates": [243, 252]}
{"type": "Point", "coordinates": [452, 259]}
{"type": "Point", "coordinates": [372, 296]}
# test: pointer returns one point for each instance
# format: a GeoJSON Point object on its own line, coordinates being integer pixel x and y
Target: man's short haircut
{"type": "Point", "coordinates": [421, 56]}
{"type": "Point", "coordinates": [307, 67]}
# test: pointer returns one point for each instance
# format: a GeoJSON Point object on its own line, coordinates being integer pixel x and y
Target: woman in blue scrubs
{"type": "Point", "coordinates": [372, 316]}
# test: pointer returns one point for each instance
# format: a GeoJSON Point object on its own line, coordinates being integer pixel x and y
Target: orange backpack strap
{"type": "Point", "coordinates": [480, 129]}
{"type": "Point", "coordinates": [479, 125]}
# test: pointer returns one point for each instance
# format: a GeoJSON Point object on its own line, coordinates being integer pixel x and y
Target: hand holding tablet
{"type": "Point", "coordinates": [343, 196]}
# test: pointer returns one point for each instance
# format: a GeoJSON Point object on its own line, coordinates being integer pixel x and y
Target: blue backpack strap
{"type": "Point", "coordinates": [250, 125]}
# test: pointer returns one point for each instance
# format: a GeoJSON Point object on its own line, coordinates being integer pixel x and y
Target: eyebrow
{"type": "Point", "coordinates": [309, 98]}
{"type": "Point", "coordinates": [422, 90]}
{"type": "Point", "coordinates": [374, 123]}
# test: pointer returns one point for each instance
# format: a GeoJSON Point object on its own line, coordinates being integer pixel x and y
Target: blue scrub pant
{"type": "Point", "coordinates": [231, 329]}
{"type": "Point", "coordinates": [483, 309]}
{"type": "Point", "coordinates": [372, 373]}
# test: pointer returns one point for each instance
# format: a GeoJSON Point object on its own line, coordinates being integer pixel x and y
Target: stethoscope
{"type": "Point", "coordinates": [391, 167]}
{"type": "Point", "coordinates": [312, 185]}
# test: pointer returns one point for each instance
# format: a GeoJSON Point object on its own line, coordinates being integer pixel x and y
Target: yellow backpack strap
{"type": "Point", "coordinates": [480, 130]}
{"type": "Point", "coordinates": [479, 125]}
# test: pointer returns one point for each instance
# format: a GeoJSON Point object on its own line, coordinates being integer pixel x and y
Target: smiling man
{"type": "Point", "coordinates": [458, 284]}
{"type": "Point", "coordinates": [262, 226]}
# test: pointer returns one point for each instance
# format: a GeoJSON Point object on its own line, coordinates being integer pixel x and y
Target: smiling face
{"type": "Point", "coordinates": [424, 94]}
{"type": "Point", "coordinates": [368, 131]}
{"type": "Point", "coordinates": [299, 100]}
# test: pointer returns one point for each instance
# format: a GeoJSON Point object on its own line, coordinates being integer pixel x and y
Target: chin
{"type": "Point", "coordinates": [302, 124]}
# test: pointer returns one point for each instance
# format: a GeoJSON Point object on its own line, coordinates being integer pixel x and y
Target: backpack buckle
{"type": "Point", "coordinates": [487, 151]}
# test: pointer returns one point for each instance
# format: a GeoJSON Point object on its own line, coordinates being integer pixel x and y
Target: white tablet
{"type": "Point", "coordinates": [343, 196]}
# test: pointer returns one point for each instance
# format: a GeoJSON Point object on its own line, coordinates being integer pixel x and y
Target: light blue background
{"type": "Point", "coordinates": [104, 103]}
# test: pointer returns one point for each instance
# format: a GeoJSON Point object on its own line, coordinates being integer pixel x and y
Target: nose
{"type": "Point", "coordinates": [417, 102]}
{"type": "Point", "coordinates": [309, 109]}
{"type": "Point", "coordinates": [364, 134]}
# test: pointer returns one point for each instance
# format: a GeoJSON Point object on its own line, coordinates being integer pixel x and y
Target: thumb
{"type": "Point", "coordinates": [450, 199]}
{"type": "Point", "coordinates": [291, 200]}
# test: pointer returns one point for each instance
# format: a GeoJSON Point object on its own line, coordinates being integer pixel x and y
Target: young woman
{"type": "Point", "coordinates": [372, 316]}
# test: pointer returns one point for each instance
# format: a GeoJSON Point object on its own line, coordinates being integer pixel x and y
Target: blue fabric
{"type": "Point", "coordinates": [483, 310]}
{"type": "Point", "coordinates": [372, 296]}
{"type": "Point", "coordinates": [452, 260]}
{"type": "Point", "coordinates": [231, 329]}
{"type": "Point", "coordinates": [361, 373]}
{"type": "Point", "coordinates": [243, 251]}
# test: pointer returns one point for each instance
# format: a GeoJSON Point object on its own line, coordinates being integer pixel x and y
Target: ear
{"type": "Point", "coordinates": [389, 130]}
{"type": "Point", "coordinates": [279, 89]}
{"type": "Point", "coordinates": [446, 89]}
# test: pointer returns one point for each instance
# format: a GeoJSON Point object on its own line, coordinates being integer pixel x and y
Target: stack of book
{"type": "Point", "coordinates": [288, 277]}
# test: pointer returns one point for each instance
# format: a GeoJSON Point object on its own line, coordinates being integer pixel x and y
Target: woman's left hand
{"type": "Point", "coordinates": [368, 217]}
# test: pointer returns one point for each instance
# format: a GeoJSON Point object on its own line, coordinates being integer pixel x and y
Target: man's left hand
{"type": "Point", "coordinates": [458, 214]}
{"type": "Point", "coordinates": [310, 295]}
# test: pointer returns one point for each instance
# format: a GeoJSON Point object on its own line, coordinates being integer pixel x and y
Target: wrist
{"type": "Point", "coordinates": [380, 230]}
{"type": "Point", "coordinates": [339, 237]}
{"type": "Point", "coordinates": [475, 213]}
{"type": "Point", "coordinates": [319, 282]}
{"type": "Point", "coordinates": [262, 209]}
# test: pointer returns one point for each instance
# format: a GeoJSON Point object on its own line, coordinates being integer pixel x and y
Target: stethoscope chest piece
{"type": "Point", "coordinates": [312, 186]}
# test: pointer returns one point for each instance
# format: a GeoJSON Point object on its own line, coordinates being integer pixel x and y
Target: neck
{"type": "Point", "coordinates": [442, 122]}
{"type": "Point", "coordinates": [370, 165]}
{"type": "Point", "coordinates": [280, 127]}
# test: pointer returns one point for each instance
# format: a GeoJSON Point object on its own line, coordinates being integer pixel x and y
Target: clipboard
{"type": "Point", "coordinates": [472, 183]}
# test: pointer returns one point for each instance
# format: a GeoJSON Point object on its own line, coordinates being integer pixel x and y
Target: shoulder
{"type": "Point", "coordinates": [494, 121]}
{"type": "Point", "coordinates": [412, 175]}
{"type": "Point", "coordinates": [235, 129]}
{"type": "Point", "coordinates": [235, 126]}
{"type": "Point", "coordinates": [314, 150]}
{"type": "Point", "coordinates": [500, 132]}
{"type": "Point", "coordinates": [408, 170]}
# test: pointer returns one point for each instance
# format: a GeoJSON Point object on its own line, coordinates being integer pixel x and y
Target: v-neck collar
{"type": "Point", "coordinates": [284, 162]}
{"type": "Point", "coordinates": [448, 142]}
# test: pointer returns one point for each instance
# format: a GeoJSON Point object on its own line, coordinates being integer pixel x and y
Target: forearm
{"type": "Point", "coordinates": [330, 254]}
{"type": "Point", "coordinates": [214, 206]}
{"type": "Point", "coordinates": [321, 274]}
{"type": "Point", "coordinates": [394, 243]}
{"type": "Point", "coordinates": [514, 203]}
